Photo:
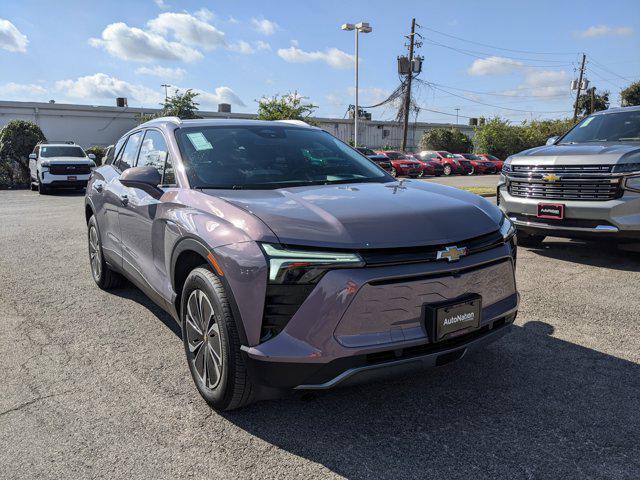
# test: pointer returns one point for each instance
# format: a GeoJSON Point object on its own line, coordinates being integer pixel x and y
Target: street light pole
{"type": "Point", "coordinates": [166, 96]}
{"type": "Point", "coordinates": [364, 28]}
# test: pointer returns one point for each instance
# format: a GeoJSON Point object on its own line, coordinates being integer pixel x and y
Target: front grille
{"type": "Point", "coordinates": [570, 182]}
{"type": "Point", "coordinates": [281, 303]}
{"type": "Point", "coordinates": [69, 169]}
{"type": "Point", "coordinates": [561, 169]}
{"type": "Point", "coordinates": [582, 189]}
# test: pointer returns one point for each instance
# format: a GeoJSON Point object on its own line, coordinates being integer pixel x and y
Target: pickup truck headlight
{"type": "Point", "coordinates": [507, 229]}
{"type": "Point", "coordinates": [305, 266]}
{"type": "Point", "coordinates": [626, 168]}
{"type": "Point", "coordinates": [632, 183]}
{"type": "Point", "coordinates": [45, 164]}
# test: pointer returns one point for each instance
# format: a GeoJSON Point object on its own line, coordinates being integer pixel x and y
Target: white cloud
{"type": "Point", "coordinates": [207, 100]}
{"type": "Point", "coordinates": [494, 66]}
{"type": "Point", "coordinates": [332, 56]}
{"type": "Point", "coordinates": [542, 84]}
{"type": "Point", "coordinates": [22, 91]}
{"type": "Point", "coordinates": [162, 72]}
{"type": "Point", "coordinates": [260, 45]}
{"type": "Point", "coordinates": [204, 14]}
{"type": "Point", "coordinates": [233, 20]}
{"type": "Point", "coordinates": [242, 47]}
{"type": "Point", "coordinates": [188, 29]}
{"type": "Point", "coordinates": [102, 86]}
{"type": "Point", "coordinates": [11, 38]}
{"type": "Point", "coordinates": [604, 30]}
{"type": "Point", "coordinates": [130, 43]}
{"type": "Point", "coordinates": [264, 26]}
{"type": "Point", "coordinates": [161, 4]}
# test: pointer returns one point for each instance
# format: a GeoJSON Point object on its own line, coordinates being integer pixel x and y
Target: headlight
{"type": "Point", "coordinates": [632, 183]}
{"type": "Point", "coordinates": [305, 266]}
{"type": "Point", "coordinates": [507, 229]}
{"type": "Point", "coordinates": [45, 164]}
{"type": "Point", "coordinates": [626, 168]}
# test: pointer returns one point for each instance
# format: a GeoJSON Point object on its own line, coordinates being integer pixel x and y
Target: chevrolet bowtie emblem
{"type": "Point", "coordinates": [451, 253]}
{"type": "Point", "coordinates": [550, 177]}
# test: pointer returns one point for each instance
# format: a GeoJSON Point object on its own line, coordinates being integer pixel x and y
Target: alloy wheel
{"type": "Point", "coordinates": [203, 338]}
{"type": "Point", "coordinates": [393, 172]}
{"type": "Point", "coordinates": [447, 170]}
{"type": "Point", "coordinates": [95, 253]}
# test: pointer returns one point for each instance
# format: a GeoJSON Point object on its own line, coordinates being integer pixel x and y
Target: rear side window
{"type": "Point", "coordinates": [130, 152]}
{"type": "Point", "coordinates": [113, 154]}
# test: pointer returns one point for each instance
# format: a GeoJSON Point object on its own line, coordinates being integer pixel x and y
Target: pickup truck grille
{"type": "Point", "coordinates": [69, 169]}
{"type": "Point", "coordinates": [564, 182]}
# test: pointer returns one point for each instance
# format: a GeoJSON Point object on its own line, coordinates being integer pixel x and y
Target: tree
{"type": "Point", "coordinates": [285, 107]}
{"type": "Point", "coordinates": [600, 102]}
{"type": "Point", "coordinates": [181, 105]}
{"type": "Point", "coordinates": [17, 140]}
{"type": "Point", "coordinates": [631, 95]}
{"type": "Point", "coordinates": [450, 139]}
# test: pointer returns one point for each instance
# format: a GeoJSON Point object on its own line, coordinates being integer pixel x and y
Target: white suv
{"type": "Point", "coordinates": [59, 165]}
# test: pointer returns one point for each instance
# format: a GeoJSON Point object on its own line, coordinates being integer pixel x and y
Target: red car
{"type": "Point", "coordinates": [449, 163]}
{"type": "Point", "coordinates": [429, 167]}
{"type": "Point", "coordinates": [478, 164]}
{"type": "Point", "coordinates": [402, 165]}
{"type": "Point", "coordinates": [497, 162]}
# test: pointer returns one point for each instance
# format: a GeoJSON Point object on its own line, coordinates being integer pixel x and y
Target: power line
{"type": "Point", "coordinates": [498, 106]}
{"type": "Point", "coordinates": [500, 94]}
{"type": "Point", "coordinates": [599, 65]}
{"type": "Point", "coordinates": [484, 55]}
{"type": "Point", "coordinates": [496, 47]}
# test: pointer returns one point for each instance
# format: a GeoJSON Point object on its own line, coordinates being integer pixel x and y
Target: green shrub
{"type": "Point", "coordinates": [98, 152]}
{"type": "Point", "coordinates": [449, 139]}
{"type": "Point", "coordinates": [17, 140]}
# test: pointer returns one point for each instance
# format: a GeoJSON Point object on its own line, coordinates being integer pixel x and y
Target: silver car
{"type": "Point", "coordinates": [584, 184]}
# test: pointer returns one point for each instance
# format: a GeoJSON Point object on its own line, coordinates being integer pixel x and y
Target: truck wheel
{"type": "Point", "coordinates": [42, 189]}
{"type": "Point", "coordinates": [527, 240]}
{"type": "Point", "coordinates": [212, 344]}
{"type": "Point", "coordinates": [447, 170]}
{"type": "Point", "coordinates": [102, 274]}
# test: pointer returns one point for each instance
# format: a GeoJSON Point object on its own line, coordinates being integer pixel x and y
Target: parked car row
{"type": "Point", "coordinates": [432, 162]}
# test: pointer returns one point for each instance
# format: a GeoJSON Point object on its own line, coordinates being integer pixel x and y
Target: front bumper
{"type": "Point", "coordinates": [618, 218]}
{"type": "Point", "coordinates": [361, 322]}
{"type": "Point", "coordinates": [63, 181]}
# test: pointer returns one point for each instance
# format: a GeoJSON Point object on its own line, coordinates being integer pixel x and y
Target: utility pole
{"type": "Point", "coordinates": [457, 109]}
{"type": "Point", "coordinates": [166, 95]}
{"type": "Point", "coordinates": [575, 107]}
{"type": "Point", "coordinates": [592, 100]}
{"type": "Point", "coordinates": [407, 96]}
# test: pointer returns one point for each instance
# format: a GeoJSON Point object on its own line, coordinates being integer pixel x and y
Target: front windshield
{"type": "Point", "coordinates": [608, 127]}
{"type": "Point", "coordinates": [49, 152]}
{"type": "Point", "coordinates": [261, 157]}
{"type": "Point", "coordinates": [395, 155]}
{"type": "Point", "coordinates": [447, 154]}
{"type": "Point", "coordinates": [471, 156]}
{"type": "Point", "coordinates": [365, 151]}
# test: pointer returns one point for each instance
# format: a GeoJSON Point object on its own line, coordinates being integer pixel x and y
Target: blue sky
{"type": "Point", "coordinates": [513, 59]}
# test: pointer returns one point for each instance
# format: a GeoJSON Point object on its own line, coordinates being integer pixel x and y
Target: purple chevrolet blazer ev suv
{"type": "Point", "coordinates": [291, 261]}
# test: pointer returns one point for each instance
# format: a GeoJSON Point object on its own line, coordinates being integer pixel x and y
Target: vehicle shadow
{"type": "Point", "coordinates": [131, 292]}
{"type": "Point", "coordinates": [593, 253]}
{"type": "Point", "coordinates": [528, 406]}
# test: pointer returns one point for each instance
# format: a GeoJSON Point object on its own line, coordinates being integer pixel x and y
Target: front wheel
{"type": "Point", "coordinates": [447, 170]}
{"type": "Point", "coordinates": [102, 274]}
{"type": "Point", "coordinates": [472, 171]}
{"type": "Point", "coordinates": [394, 172]}
{"type": "Point", "coordinates": [42, 189]}
{"type": "Point", "coordinates": [532, 241]}
{"type": "Point", "coordinates": [212, 344]}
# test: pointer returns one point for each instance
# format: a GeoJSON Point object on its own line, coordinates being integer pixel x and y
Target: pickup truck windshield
{"type": "Point", "coordinates": [267, 157]}
{"type": "Point", "coordinates": [49, 152]}
{"type": "Point", "coordinates": [608, 127]}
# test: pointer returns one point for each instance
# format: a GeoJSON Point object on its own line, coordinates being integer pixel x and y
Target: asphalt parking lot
{"type": "Point", "coordinates": [95, 385]}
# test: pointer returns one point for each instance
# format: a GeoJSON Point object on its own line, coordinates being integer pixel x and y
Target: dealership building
{"type": "Point", "coordinates": [90, 125]}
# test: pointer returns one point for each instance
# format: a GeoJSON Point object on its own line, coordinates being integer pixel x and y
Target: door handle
{"type": "Point", "coordinates": [124, 199]}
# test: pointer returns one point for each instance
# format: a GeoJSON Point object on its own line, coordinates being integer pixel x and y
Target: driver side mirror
{"type": "Point", "coordinates": [91, 156]}
{"type": "Point", "coordinates": [552, 140]}
{"type": "Point", "coordinates": [144, 178]}
{"type": "Point", "coordinates": [33, 156]}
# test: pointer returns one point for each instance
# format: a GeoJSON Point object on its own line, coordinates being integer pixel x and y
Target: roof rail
{"type": "Point", "coordinates": [175, 120]}
{"type": "Point", "coordinates": [302, 123]}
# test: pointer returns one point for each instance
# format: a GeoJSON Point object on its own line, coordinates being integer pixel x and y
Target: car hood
{"type": "Point", "coordinates": [369, 215]}
{"type": "Point", "coordinates": [603, 153]}
{"type": "Point", "coordinates": [67, 160]}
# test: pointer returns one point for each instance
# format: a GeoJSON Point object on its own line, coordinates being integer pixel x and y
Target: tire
{"type": "Point", "coordinates": [447, 170]}
{"type": "Point", "coordinates": [473, 170]}
{"type": "Point", "coordinates": [102, 274]}
{"type": "Point", "coordinates": [34, 186]}
{"type": "Point", "coordinates": [43, 189]}
{"type": "Point", "coordinates": [532, 241]}
{"type": "Point", "coordinates": [222, 380]}
{"type": "Point", "coordinates": [393, 172]}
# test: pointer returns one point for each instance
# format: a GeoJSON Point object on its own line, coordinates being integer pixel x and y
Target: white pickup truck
{"type": "Point", "coordinates": [59, 165]}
